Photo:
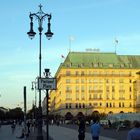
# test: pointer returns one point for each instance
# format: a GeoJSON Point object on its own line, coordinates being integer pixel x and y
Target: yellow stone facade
{"type": "Point", "coordinates": [102, 86]}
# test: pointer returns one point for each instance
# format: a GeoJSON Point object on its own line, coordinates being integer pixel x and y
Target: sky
{"type": "Point", "coordinates": [92, 24]}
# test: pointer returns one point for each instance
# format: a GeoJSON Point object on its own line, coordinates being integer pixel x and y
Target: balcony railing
{"type": "Point", "coordinates": [98, 75]}
{"type": "Point", "coordinates": [69, 91]}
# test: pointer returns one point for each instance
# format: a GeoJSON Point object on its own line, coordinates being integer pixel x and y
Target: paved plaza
{"type": "Point", "coordinates": [62, 133]}
{"type": "Point", "coordinates": [59, 133]}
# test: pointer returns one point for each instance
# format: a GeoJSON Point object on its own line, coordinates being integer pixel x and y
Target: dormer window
{"type": "Point", "coordinates": [122, 65]}
{"type": "Point", "coordinates": [111, 65]}
{"type": "Point", "coordinates": [79, 65]}
{"type": "Point", "coordinates": [82, 65]}
{"type": "Point", "coordinates": [130, 65]}
{"type": "Point", "coordinates": [95, 65]}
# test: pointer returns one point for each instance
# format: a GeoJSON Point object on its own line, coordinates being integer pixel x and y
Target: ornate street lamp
{"type": "Point", "coordinates": [40, 16]}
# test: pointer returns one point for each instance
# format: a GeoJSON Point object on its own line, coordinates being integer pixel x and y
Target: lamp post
{"type": "Point", "coordinates": [40, 16]}
{"type": "Point", "coordinates": [34, 87]}
{"type": "Point", "coordinates": [47, 111]}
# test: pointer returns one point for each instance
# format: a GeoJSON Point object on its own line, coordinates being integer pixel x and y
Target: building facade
{"type": "Point", "coordinates": [90, 82]}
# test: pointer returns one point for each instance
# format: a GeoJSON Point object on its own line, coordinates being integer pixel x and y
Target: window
{"type": "Point", "coordinates": [95, 81]}
{"type": "Point", "coordinates": [122, 104]}
{"type": "Point", "coordinates": [79, 105]}
{"type": "Point", "coordinates": [82, 65]}
{"type": "Point", "coordinates": [113, 81]}
{"type": "Point", "coordinates": [130, 89]}
{"type": "Point", "coordinates": [95, 96]}
{"type": "Point", "coordinates": [67, 80]}
{"type": "Point", "coordinates": [95, 104]}
{"type": "Point", "coordinates": [122, 65]}
{"type": "Point", "coordinates": [113, 72]}
{"type": "Point", "coordinates": [76, 105]}
{"type": "Point", "coordinates": [77, 89]}
{"type": "Point", "coordinates": [77, 96]}
{"type": "Point", "coordinates": [76, 73]}
{"type": "Point", "coordinates": [67, 73]}
{"type": "Point", "coordinates": [90, 81]}
{"type": "Point", "coordinates": [121, 81]}
{"type": "Point", "coordinates": [95, 65]}
{"type": "Point", "coordinates": [111, 65]}
{"type": "Point", "coordinates": [82, 89]}
{"type": "Point", "coordinates": [83, 105]}
{"type": "Point", "coordinates": [107, 88]}
{"type": "Point", "coordinates": [106, 104]}
{"type": "Point", "coordinates": [95, 88]}
{"type": "Point", "coordinates": [113, 88]}
{"type": "Point", "coordinates": [66, 105]}
{"type": "Point", "coordinates": [77, 80]}
{"type": "Point", "coordinates": [107, 80]}
{"type": "Point", "coordinates": [90, 73]}
{"type": "Point", "coordinates": [90, 97]}
{"type": "Point", "coordinates": [70, 105]}
{"type": "Point", "coordinates": [95, 72]}
{"type": "Point", "coordinates": [82, 80]}
{"type": "Point", "coordinates": [83, 96]}
{"type": "Point", "coordinates": [130, 65]}
{"type": "Point", "coordinates": [68, 89]}
{"type": "Point", "coordinates": [82, 73]}
{"type": "Point", "coordinates": [68, 96]}
{"type": "Point", "coordinates": [119, 104]}
{"type": "Point", "coordinates": [113, 104]}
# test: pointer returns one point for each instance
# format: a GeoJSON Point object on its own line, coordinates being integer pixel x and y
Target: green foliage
{"type": "Point", "coordinates": [15, 113]}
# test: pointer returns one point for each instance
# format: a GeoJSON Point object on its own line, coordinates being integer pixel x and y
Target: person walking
{"type": "Point", "coordinates": [95, 129]}
{"type": "Point", "coordinates": [81, 130]}
{"type": "Point", "coordinates": [134, 133]}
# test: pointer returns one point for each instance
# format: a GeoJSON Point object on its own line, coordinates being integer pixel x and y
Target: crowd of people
{"type": "Point", "coordinates": [95, 128]}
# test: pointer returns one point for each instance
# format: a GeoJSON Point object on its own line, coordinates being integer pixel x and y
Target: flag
{"type": "Point", "coordinates": [116, 41]}
{"type": "Point", "coordinates": [71, 38]}
{"type": "Point", "coordinates": [62, 56]}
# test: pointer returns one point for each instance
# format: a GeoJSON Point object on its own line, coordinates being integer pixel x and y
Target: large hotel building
{"type": "Point", "coordinates": [90, 82]}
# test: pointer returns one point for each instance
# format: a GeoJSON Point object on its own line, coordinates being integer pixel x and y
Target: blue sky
{"type": "Point", "coordinates": [92, 23]}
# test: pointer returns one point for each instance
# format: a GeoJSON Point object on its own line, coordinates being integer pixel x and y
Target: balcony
{"type": "Point", "coordinates": [95, 91]}
{"type": "Point", "coordinates": [121, 91]}
{"type": "Point", "coordinates": [121, 98]}
{"type": "Point", "coordinates": [97, 75]}
{"type": "Point", "coordinates": [68, 91]}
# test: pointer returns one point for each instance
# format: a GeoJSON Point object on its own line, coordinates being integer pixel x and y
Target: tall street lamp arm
{"type": "Point", "coordinates": [40, 16]}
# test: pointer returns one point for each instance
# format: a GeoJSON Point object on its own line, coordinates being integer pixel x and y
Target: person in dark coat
{"type": "Point", "coordinates": [81, 130]}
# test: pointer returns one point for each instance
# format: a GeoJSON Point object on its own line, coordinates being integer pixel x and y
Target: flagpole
{"type": "Point", "coordinates": [71, 38]}
{"type": "Point", "coordinates": [115, 47]}
{"type": "Point", "coordinates": [116, 43]}
{"type": "Point", "coordinates": [69, 44]}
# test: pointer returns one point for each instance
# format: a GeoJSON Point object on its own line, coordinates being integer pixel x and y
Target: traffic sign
{"type": "Point", "coordinates": [47, 83]}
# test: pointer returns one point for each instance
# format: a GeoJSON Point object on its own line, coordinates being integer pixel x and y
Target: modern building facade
{"type": "Point", "coordinates": [90, 82]}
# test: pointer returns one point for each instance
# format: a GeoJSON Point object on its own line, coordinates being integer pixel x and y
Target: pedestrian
{"type": "Point", "coordinates": [28, 127]}
{"type": "Point", "coordinates": [95, 129]}
{"type": "Point", "coordinates": [109, 123]}
{"type": "Point", "coordinates": [81, 130]}
{"type": "Point", "coordinates": [134, 133]}
{"type": "Point", "coordinates": [13, 127]}
{"type": "Point", "coordinates": [22, 134]}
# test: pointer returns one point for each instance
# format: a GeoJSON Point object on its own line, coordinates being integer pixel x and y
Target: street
{"type": "Point", "coordinates": [6, 132]}
{"type": "Point", "coordinates": [109, 133]}
{"type": "Point", "coordinates": [64, 131]}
